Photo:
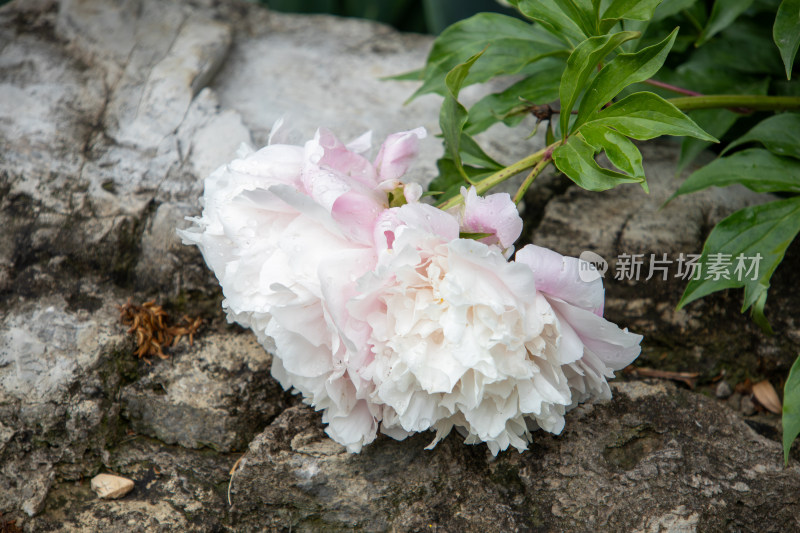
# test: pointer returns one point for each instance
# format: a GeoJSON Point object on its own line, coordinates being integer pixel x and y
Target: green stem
{"type": "Point", "coordinates": [753, 102]}
{"type": "Point", "coordinates": [501, 175]}
{"type": "Point", "coordinates": [540, 166]}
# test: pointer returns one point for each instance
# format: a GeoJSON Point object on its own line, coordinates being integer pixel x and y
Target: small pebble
{"type": "Point", "coordinates": [735, 401]}
{"type": "Point", "coordinates": [724, 390]}
{"type": "Point", "coordinates": [110, 487]}
{"type": "Point", "coordinates": [747, 407]}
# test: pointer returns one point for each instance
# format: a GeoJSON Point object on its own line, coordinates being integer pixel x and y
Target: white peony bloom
{"type": "Point", "coordinates": [384, 318]}
{"type": "Point", "coordinates": [287, 230]}
{"type": "Point", "coordinates": [462, 337]}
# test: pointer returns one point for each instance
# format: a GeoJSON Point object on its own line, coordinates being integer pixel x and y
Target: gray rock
{"type": "Point", "coordinates": [723, 390]}
{"type": "Point", "coordinates": [217, 394]}
{"type": "Point", "coordinates": [655, 458]}
{"type": "Point", "coordinates": [747, 406]}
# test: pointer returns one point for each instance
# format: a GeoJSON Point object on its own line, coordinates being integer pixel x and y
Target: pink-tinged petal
{"type": "Point", "coordinates": [429, 219]}
{"type": "Point", "coordinates": [383, 231]}
{"type": "Point", "coordinates": [423, 217]}
{"type": "Point", "coordinates": [397, 152]}
{"type": "Point", "coordinates": [617, 348]}
{"type": "Point", "coordinates": [324, 186]}
{"type": "Point", "coordinates": [361, 144]}
{"type": "Point", "coordinates": [559, 276]}
{"type": "Point", "coordinates": [494, 214]}
{"type": "Point", "coordinates": [356, 215]}
{"type": "Point", "coordinates": [328, 152]}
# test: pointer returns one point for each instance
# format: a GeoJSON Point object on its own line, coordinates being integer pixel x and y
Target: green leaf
{"type": "Point", "coordinates": [723, 14]}
{"type": "Point", "coordinates": [476, 236]}
{"type": "Point", "coordinates": [755, 168]}
{"type": "Point", "coordinates": [764, 231]}
{"type": "Point", "coordinates": [412, 75]}
{"type": "Point", "coordinates": [744, 47]}
{"type": "Point", "coordinates": [622, 71]}
{"type": "Point", "coordinates": [703, 77]}
{"type": "Point", "coordinates": [580, 11]}
{"type": "Point", "coordinates": [575, 158]}
{"type": "Point", "coordinates": [621, 152]}
{"type": "Point", "coordinates": [512, 44]}
{"type": "Point", "coordinates": [670, 7]}
{"type": "Point", "coordinates": [472, 154]}
{"type": "Point", "coordinates": [716, 122]}
{"type": "Point", "coordinates": [449, 181]}
{"type": "Point", "coordinates": [453, 115]}
{"type": "Point", "coordinates": [791, 409]}
{"type": "Point", "coordinates": [786, 32]}
{"type": "Point", "coordinates": [644, 116]}
{"type": "Point", "coordinates": [552, 18]}
{"type": "Point", "coordinates": [627, 9]}
{"type": "Point", "coordinates": [780, 134]}
{"type": "Point", "coordinates": [541, 86]}
{"type": "Point", "coordinates": [581, 64]}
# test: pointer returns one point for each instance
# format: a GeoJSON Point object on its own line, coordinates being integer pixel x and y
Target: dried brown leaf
{"type": "Point", "coordinates": [765, 393]}
{"type": "Point", "coordinates": [149, 323]}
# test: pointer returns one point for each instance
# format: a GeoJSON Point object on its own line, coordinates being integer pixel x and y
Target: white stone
{"type": "Point", "coordinates": [110, 487]}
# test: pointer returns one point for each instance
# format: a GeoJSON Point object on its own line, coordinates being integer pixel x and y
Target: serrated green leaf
{"type": "Point", "coordinates": [791, 409]}
{"type": "Point", "coordinates": [780, 134]}
{"type": "Point", "coordinates": [755, 168]}
{"type": "Point", "coordinates": [622, 71]}
{"type": "Point", "coordinates": [575, 158]}
{"type": "Point", "coordinates": [620, 151]}
{"type": "Point", "coordinates": [512, 44]}
{"type": "Point", "coordinates": [552, 18]}
{"type": "Point", "coordinates": [759, 235]}
{"type": "Point", "coordinates": [786, 33]}
{"type": "Point", "coordinates": [723, 14]}
{"type": "Point", "coordinates": [541, 86]}
{"type": "Point", "coordinates": [581, 64]}
{"type": "Point", "coordinates": [627, 9]}
{"type": "Point", "coordinates": [645, 115]}
{"type": "Point", "coordinates": [453, 115]}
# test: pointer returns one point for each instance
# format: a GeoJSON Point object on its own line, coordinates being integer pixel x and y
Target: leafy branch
{"type": "Point", "coordinates": [602, 75]}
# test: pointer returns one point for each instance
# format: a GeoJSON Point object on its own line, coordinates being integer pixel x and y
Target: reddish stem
{"type": "Point", "coordinates": [673, 88]}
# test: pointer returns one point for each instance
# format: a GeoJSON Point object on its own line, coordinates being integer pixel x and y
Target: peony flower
{"type": "Point", "coordinates": [461, 337]}
{"type": "Point", "coordinates": [288, 230]}
{"type": "Point", "coordinates": [384, 317]}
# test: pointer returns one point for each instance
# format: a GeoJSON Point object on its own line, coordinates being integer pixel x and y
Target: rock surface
{"type": "Point", "coordinates": [112, 113]}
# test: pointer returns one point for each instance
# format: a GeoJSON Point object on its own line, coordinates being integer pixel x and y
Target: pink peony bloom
{"type": "Point", "coordinates": [495, 214]}
{"type": "Point", "coordinates": [384, 318]}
